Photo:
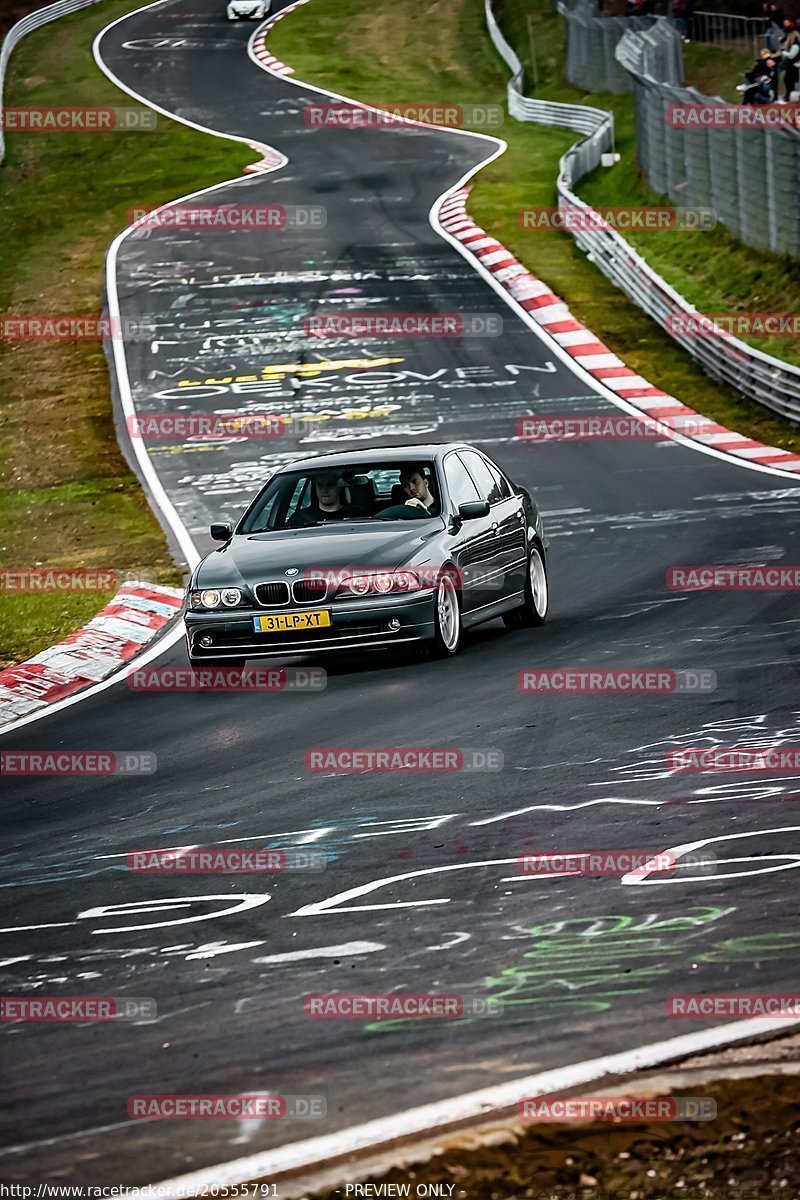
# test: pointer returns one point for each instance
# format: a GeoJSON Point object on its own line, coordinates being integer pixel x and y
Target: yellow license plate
{"type": "Point", "coordinates": [281, 622]}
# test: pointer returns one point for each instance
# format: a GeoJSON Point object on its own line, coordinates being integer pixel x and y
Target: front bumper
{"type": "Point", "coordinates": [357, 624]}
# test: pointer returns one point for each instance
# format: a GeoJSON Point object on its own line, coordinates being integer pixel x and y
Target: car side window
{"type": "Point", "coordinates": [459, 482]}
{"type": "Point", "coordinates": [488, 486]}
{"type": "Point", "coordinates": [502, 482]}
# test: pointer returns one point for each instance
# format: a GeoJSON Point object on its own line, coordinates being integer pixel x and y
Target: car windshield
{"type": "Point", "coordinates": [375, 491]}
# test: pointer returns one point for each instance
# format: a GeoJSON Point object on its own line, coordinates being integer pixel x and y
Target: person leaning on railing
{"type": "Point", "coordinates": [790, 57]}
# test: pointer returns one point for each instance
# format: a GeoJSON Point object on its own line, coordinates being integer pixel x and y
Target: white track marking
{"type": "Point", "coordinates": [69, 1137]}
{"type": "Point", "coordinates": [633, 878]}
{"type": "Point", "coordinates": [317, 908]}
{"type": "Point", "coordinates": [457, 937]}
{"type": "Point", "coordinates": [213, 949]}
{"type": "Point", "coordinates": [518, 812]}
{"type": "Point", "coordinates": [237, 903]}
{"type": "Point", "coordinates": [347, 949]}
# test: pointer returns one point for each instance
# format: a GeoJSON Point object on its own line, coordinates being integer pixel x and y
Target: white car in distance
{"type": "Point", "coordinates": [244, 10]}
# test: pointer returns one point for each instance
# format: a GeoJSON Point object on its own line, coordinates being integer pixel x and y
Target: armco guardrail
{"type": "Point", "coordinates": [579, 117]}
{"type": "Point", "coordinates": [768, 381]}
{"type": "Point", "coordinates": [34, 20]}
{"type": "Point", "coordinates": [748, 176]}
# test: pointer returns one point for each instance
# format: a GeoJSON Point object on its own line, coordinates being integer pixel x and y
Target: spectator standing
{"type": "Point", "coordinates": [773, 26]}
{"type": "Point", "coordinates": [688, 16]}
{"type": "Point", "coordinates": [681, 13]}
{"type": "Point", "coordinates": [790, 58]}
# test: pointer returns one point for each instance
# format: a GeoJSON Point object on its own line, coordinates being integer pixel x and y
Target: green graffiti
{"type": "Point", "coordinates": [754, 948]}
{"type": "Point", "coordinates": [569, 957]}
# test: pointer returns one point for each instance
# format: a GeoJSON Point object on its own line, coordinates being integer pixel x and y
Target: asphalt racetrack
{"type": "Point", "coordinates": [422, 892]}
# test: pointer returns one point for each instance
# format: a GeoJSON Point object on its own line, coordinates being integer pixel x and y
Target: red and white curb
{"type": "Point", "coordinates": [270, 161]}
{"type": "Point", "coordinates": [260, 49]}
{"type": "Point", "coordinates": [118, 633]}
{"type": "Point", "coordinates": [554, 318]}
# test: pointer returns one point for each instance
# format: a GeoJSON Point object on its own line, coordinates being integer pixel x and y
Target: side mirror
{"type": "Point", "coordinates": [473, 509]}
{"type": "Point", "coordinates": [221, 533]}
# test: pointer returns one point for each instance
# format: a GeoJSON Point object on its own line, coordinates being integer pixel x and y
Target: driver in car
{"type": "Point", "coordinates": [328, 506]}
{"type": "Point", "coordinates": [415, 485]}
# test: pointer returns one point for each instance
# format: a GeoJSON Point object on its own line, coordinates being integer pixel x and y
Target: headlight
{"type": "Point", "coordinates": [215, 597]}
{"type": "Point", "coordinates": [380, 583]}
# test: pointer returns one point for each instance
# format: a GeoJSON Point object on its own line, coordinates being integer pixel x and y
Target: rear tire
{"type": "Point", "coordinates": [533, 610]}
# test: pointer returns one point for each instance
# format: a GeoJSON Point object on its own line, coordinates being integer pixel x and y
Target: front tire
{"type": "Point", "coordinates": [446, 640]}
{"type": "Point", "coordinates": [533, 610]}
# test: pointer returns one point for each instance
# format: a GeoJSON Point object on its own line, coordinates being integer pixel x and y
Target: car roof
{"type": "Point", "coordinates": [404, 453]}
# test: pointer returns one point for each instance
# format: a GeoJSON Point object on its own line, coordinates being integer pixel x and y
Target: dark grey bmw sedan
{"type": "Point", "coordinates": [367, 549]}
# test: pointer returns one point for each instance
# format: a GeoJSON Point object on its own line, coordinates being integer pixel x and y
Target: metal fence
{"type": "Point", "coordinates": [591, 40]}
{"type": "Point", "coordinates": [749, 176]}
{"type": "Point", "coordinates": [15, 34]}
{"type": "Point", "coordinates": [748, 34]}
{"type": "Point", "coordinates": [760, 377]}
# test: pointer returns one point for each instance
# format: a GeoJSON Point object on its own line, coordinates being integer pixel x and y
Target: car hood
{"type": "Point", "coordinates": [255, 557]}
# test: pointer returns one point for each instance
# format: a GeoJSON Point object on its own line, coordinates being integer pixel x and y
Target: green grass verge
{"type": "Point", "coordinates": [67, 498]}
{"type": "Point", "coordinates": [372, 50]}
